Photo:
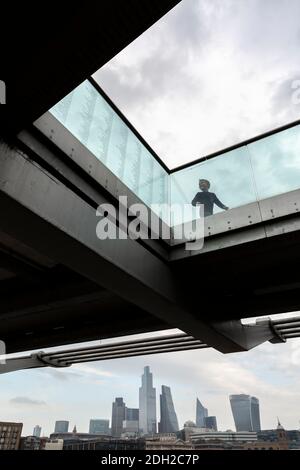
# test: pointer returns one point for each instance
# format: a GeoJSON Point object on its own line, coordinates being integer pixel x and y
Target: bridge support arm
{"type": "Point", "coordinates": [249, 336]}
{"type": "Point", "coordinates": [28, 362]}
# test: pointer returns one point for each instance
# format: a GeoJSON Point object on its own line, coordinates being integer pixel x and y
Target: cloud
{"type": "Point", "coordinates": [77, 372]}
{"type": "Point", "coordinates": [62, 375]}
{"type": "Point", "coordinates": [83, 369]}
{"type": "Point", "coordinates": [27, 401]}
{"type": "Point", "coordinates": [208, 75]}
{"type": "Point", "coordinates": [282, 99]}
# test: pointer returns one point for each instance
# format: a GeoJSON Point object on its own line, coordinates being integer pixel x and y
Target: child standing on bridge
{"type": "Point", "coordinates": [207, 198]}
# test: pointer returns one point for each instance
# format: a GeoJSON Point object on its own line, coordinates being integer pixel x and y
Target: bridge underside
{"type": "Point", "coordinates": [60, 284]}
{"type": "Point", "coordinates": [45, 304]}
{"type": "Point", "coordinates": [257, 277]}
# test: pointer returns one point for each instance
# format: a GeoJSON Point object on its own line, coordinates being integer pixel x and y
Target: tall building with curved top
{"type": "Point", "coordinates": [147, 404]}
{"type": "Point", "coordinates": [245, 410]}
{"type": "Point", "coordinates": [168, 417]}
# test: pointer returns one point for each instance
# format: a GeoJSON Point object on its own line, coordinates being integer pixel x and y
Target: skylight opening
{"type": "Point", "coordinates": [209, 74]}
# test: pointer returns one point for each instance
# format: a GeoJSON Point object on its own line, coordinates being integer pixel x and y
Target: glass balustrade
{"type": "Point", "coordinates": [264, 168]}
{"type": "Point", "coordinates": [230, 178]}
{"type": "Point", "coordinates": [91, 119]}
{"type": "Point", "coordinates": [276, 163]}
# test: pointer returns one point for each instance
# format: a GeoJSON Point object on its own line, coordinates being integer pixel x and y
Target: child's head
{"type": "Point", "coordinates": [204, 185]}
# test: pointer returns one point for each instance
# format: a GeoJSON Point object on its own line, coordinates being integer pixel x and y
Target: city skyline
{"type": "Point", "coordinates": [206, 76]}
{"type": "Point", "coordinates": [163, 369]}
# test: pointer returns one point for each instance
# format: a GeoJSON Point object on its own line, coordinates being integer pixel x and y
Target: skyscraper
{"type": "Point", "coordinates": [210, 422]}
{"type": "Point", "coordinates": [118, 416]}
{"type": "Point", "coordinates": [245, 410]}
{"type": "Point", "coordinates": [147, 404]}
{"type": "Point", "coordinates": [99, 426]}
{"type": "Point", "coordinates": [168, 417]}
{"type": "Point", "coordinates": [131, 423]}
{"type": "Point", "coordinates": [61, 426]}
{"type": "Point", "coordinates": [131, 414]}
{"type": "Point", "coordinates": [37, 431]}
{"type": "Point", "coordinates": [201, 413]}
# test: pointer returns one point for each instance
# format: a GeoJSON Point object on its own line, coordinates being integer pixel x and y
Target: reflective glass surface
{"type": "Point", "coordinates": [88, 116]}
{"type": "Point", "coordinates": [265, 168]}
{"type": "Point", "coordinates": [276, 162]}
{"type": "Point", "coordinates": [230, 177]}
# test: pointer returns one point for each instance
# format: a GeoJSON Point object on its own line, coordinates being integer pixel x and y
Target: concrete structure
{"type": "Point", "coordinates": [33, 443]}
{"type": "Point", "coordinates": [214, 445]}
{"type": "Point", "coordinates": [99, 426]}
{"type": "Point", "coordinates": [166, 441]}
{"type": "Point", "coordinates": [61, 426]}
{"type": "Point", "coordinates": [147, 404]}
{"type": "Point", "coordinates": [75, 437]}
{"type": "Point", "coordinates": [201, 413]}
{"type": "Point", "coordinates": [107, 444]}
{"type": "Point", "coordinates": [245, 410]}
{"type": "Point", "coordinates": [54, 444]}
{"type": "Point", "coordinates": [225, 436]}
{"type": "Point", "coordinates": [37, 431]}
{"type": "Point", "coordinates": [117, 418]}
{"type": "Point", "coordinates": [190, 428]}
{"type": "Point", "coordinates": [168, 418]}
{"type": "Point", "coordinates": [90, 288]}
{"type": "Point", "coordinates": [271, 435]}
{"type": "Point", "coordinates": [10, 435]}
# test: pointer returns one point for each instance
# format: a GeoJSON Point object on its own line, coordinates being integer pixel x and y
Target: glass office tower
{"type": "Point", "coordinates": [245, 410]}
{"type": "Point", "coordinates": [201, 414]}
{"type": "Point", "coordinates": [99, 426]}
{"type": "Point", "coordinates": [168, 417]}
{"type": "Point", "coordinates": [210, 422]}
{"type": "Point", "coordinates": [61, 426]}
{"type": "Point", "coordinates": [147, 404]}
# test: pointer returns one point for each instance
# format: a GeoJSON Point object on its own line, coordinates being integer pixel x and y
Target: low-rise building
{"type": "Point", "coordinates": [10, 435]}
{"type": "Point", "coordinates": [33, 443]}
{"type": "Point", "coordinates": [166, 441]}
{"type": "Point", "coordinates": [228, 436]}
{"type": "Point", "coordinates": [106, 443]}
{"type": "Point", "coordinates": [54, 444]}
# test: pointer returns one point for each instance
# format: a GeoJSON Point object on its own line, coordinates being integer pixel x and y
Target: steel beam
{"type": "Point", "coordinates": [43, 212]}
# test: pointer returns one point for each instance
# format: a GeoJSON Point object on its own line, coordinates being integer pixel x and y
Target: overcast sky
{"type": "Point", "coordinates": [269, 372]}
{"type": "Point", "coordinates": [209, 74]}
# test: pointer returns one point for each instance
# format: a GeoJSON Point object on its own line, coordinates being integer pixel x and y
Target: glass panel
{"type": "Point", "coordinates": [230, 177]}
{"type": "Point", "coordinates": [86, 114]}
{"type": "Point", "coordinates": [262, 169]}
{"type": "Point", "coordinates": [276, 163]}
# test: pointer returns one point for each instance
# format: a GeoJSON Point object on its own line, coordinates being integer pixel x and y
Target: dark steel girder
{"type": "Point", "coordinates": [49, 49]}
